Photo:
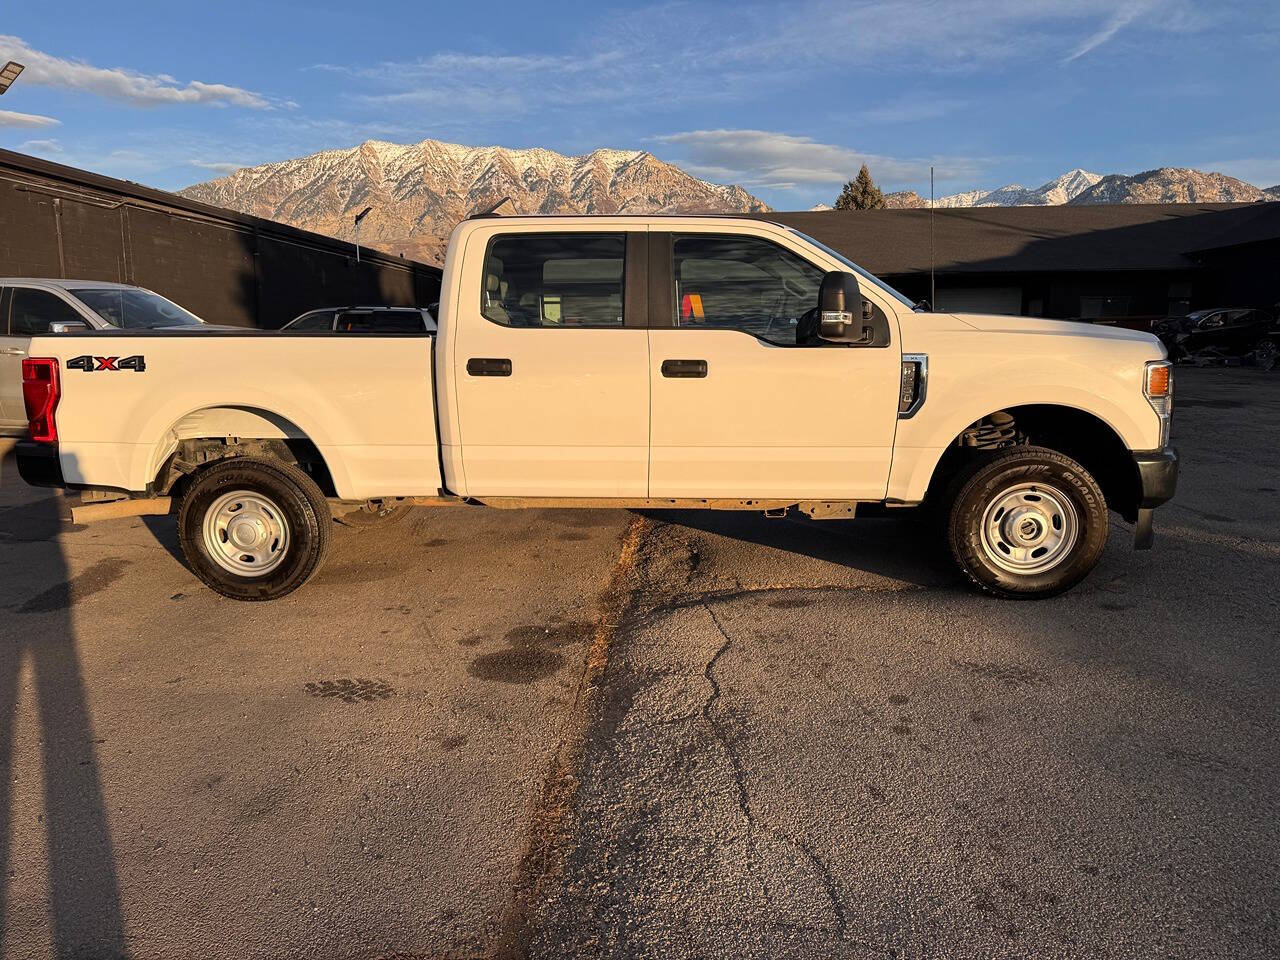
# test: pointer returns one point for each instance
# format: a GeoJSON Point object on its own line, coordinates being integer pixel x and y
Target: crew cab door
{"type": "Point", "coordinates": [551, 365]}
{"type": "Point", "coordinates": [740, 409]}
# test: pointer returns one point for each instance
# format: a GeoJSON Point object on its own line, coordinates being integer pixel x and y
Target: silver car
{"type": "Point", "coordinates": [29, 307]}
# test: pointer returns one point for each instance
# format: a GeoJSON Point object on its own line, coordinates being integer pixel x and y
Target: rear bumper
{"type": "Point", "coordinates": [1158, 473]}
{"type": "Point", "coordinates": [38, 464]}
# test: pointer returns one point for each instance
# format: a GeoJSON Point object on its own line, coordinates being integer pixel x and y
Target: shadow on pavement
{"type": "Point", "coordinates": [38, 636]}
{"type": "Point", "coordinates": [905, 547]}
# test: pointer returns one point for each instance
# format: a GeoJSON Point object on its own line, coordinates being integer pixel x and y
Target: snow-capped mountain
{"type": "Point", "coordinates": [1173, 185]}
{"type": "Point", "coordinates": [1061, 190]}
{"type": "Point", "coordinates": [420, 191]}
{"type": "Point", "coordinates": [1163, 185]}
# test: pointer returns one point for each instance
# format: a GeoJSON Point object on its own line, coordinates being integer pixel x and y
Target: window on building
{"type": "Point", "coordinates": [554, 280]}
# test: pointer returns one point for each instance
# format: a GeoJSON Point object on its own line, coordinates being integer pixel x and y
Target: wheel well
{"type": "Point", "coordinates": [1079, 434]}
{"type": "Point", "coordinates": [193, 454]}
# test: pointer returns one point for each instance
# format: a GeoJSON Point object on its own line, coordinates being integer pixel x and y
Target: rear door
{"type": "Point", "coordinates": [30, 311]}
{"type": "Point", "coordinates": [740, 408]}
{"type": "Point", "coordinates": [551, 365]}
{"type": "Point", "coordinates": [13, 414]}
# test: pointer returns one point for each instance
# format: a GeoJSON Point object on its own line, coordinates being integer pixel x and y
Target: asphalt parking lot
{"type": "Point", "coordinates": [552, 733]}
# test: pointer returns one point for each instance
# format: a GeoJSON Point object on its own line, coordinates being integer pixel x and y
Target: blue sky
{"type": "Point", "coordinates": [786, 99]}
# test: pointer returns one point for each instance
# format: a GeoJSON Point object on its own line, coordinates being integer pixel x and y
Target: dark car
{"type": "Point", "coordinates": [365, 320]}
{"type": "Point", "coordinates": [1220, 333]}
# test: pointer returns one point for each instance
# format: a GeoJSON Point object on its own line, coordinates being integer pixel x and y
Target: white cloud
{"type": "Point", "coordinates": [10, 119]}
{"type": "Point", "coordinates": [1122, 17]}
{"type": "Point", "coordinates": [218, 166]}
{"type": "Point", "coordinates": [118, 83]}
{"type": "Point", "coordinates": [766, 159]}
{"type": "Point", "coordinates": [41, 146]}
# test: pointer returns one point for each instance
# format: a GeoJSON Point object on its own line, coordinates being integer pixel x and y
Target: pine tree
{"type": "Point", "coordinates": [860, 193]}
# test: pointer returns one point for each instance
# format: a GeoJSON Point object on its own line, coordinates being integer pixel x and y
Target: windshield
{"type": "Point", "coordinates": [901, 298]}
{"type": "Point", "coordinates": [129, 307]}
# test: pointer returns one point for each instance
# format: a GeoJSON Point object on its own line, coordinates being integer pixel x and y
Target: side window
{"type": "Point", "coordinates": [33, 310]}
{"type": "Point", "coordinates": [382, 321]}
{"type": "Point", "coordinates": [318, 320]}
{"type": "Point", "coordinates": [742, 283]}
{"type": "Point", "coordinates": [554, 280]}
{"type": "Point", "coordinates": [4, 311]}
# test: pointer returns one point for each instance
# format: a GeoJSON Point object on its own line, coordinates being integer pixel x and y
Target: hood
{"type": "Point", "coordinates": [994, 323]}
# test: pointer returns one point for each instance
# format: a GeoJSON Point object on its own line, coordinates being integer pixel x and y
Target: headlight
{"type": "Point", "coordinates": [1158, 387]}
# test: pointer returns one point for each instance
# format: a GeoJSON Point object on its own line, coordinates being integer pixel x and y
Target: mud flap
{"type": "Point", "coordinates": [1143, 534]}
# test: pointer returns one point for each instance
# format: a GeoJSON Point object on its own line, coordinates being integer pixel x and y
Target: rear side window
{"type": "Point", "coordinates": [317, 320]}
{"type": "Point", "coordinates": [32, 311]}
{"type": "Point", "coordinates": [381, 321]}
{"type": "Point", "coordinates": [554, 280]}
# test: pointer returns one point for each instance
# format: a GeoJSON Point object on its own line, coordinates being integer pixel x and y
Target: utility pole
{"type": "Point", "coordinates": [360, 216]}
{"type": "Point", "coordinates": [933, 294]}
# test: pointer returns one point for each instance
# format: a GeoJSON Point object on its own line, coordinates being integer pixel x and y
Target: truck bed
{"type": "Point", "coordinates": [366, 402]}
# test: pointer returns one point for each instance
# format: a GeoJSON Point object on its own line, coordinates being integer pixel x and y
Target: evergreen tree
{"type": "Point", "coordinates": [860, 193]}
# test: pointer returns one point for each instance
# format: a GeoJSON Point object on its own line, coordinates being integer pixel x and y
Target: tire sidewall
{"type": "Point", "coordinates": [1046, 468]}
{"type": "Point", "coordinates": [299, 512]}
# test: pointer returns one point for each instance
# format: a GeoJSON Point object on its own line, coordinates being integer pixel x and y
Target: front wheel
{"type": "Point", "coordinates": [1027, 522]}
{"type": "Point", "coordinates": [253, 529]}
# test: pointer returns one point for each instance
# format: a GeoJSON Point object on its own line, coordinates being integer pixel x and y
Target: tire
{"type": "Point", "coordinates": [1026, 523]}
{"type": "Point", "coordinates": [254, 529]}
{"type": "Point", "coordinates": [1265, 354]}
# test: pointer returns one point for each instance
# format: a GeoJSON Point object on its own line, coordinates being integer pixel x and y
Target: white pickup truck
{"type": "Point", "coordinates": [623, 361]}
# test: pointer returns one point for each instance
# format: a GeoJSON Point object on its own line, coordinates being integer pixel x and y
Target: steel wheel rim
{"type": "Point", "coordinates": [1029, 528]}
{"type": "Point", "coordinates": [246, 533]}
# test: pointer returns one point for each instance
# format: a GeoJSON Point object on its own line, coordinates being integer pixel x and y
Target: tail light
{"type": "Point", "coordinates": [40, 392]}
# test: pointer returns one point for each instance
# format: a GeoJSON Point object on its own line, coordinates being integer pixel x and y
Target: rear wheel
{"type": "Point", "coordinates": [1027, 522]}
{"type": "Point", "coordinates": [253, 529]}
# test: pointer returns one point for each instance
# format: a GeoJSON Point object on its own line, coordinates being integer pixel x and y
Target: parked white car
{"type": "Point", "coordinates": [676, 362]}
{"type": "Point", "coordinates": [33, 307]}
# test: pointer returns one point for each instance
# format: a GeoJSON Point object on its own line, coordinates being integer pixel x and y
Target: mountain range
{"type": "Point", "coordinates": [419, 191]}
{"type": "Point", "coordinates": [1162, 185]}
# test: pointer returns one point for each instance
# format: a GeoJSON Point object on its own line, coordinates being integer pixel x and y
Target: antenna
{"type": "Point", "coordinates": [933, 294]}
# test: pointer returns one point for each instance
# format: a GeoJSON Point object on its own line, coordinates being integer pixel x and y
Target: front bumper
{"type": "Point", "coordinates": [38, 464]}
{"type": "Point", "coordinates": [1158, 480]}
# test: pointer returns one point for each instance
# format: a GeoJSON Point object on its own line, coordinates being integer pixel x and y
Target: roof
{"type": "Point", "coordinates": [18, 168]}
{"type": "Point", "coordinates": [1048, 239]}
{"type": "Point", "coordinates": [69, 284]}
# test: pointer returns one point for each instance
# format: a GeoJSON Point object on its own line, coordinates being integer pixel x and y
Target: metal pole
{"type": "Point", "coordinates": [357, 241]}
{"type": "Point", "coordinates": [933, 293]}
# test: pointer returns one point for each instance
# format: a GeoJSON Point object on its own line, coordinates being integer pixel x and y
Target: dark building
{"type": "Point", "coordinates": [56, 221]}
{"type": "Point", "coordinates": [1125, 263]}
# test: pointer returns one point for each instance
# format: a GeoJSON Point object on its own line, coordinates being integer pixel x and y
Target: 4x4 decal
{"type": "Point", "coordinates": [137, 363]}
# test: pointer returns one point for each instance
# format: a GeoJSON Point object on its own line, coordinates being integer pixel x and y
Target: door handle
{"type": "Point", "coordinates": [681, 369]}
{"type": "Point", "coordinates": [14, 351]}
{"type": "Point", "coordinates": [489, 367]}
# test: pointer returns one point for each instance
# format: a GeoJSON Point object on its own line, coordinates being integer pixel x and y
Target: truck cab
{"type": "Point", "coordinates": [700, 362]}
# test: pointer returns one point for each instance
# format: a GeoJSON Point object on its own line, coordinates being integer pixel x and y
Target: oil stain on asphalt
{"type": "Point", "coordinates": [61, 595]}
{"type": "Point", "coordinates": [531, 653]}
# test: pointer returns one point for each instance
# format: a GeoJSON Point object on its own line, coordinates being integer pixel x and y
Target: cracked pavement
{"type": "Point", "coordinates": [550, 734]}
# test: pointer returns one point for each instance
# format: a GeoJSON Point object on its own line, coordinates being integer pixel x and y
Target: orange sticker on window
{"type": "Point", "coordinates": [691, 307]}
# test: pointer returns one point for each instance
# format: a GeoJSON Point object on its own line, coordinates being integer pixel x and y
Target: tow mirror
{"type": "Point", "coordinates": [843, 316]}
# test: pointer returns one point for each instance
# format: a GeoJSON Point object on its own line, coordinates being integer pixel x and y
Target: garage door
{"type": "Point", "coordinates": [981, 300]}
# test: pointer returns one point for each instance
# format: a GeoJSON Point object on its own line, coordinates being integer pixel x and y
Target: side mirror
{"type": "Point", "coordinates": [843, 316]}
{"type": "Point", "coordinates": [67, 326]}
